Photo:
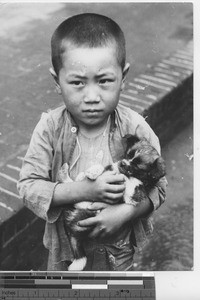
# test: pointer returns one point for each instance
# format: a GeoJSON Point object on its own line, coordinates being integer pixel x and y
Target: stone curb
{"type": "Point", "coordinates": [163, 95]}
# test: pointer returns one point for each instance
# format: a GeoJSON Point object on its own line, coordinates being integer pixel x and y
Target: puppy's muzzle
{"type": "Point", "coordinates": [124, 166]}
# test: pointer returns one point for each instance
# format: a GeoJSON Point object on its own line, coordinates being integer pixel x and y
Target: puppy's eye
{"type": "Point", "coordinates": [136, 162]}
{"type": "Point", "coordinates": [130, 154]}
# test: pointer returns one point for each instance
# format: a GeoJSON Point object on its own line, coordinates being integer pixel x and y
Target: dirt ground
{"type": "Point", "coordinates": [171, 247]}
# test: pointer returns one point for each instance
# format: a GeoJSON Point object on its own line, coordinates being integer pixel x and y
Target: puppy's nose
{"type": "Point", "coordinates": [123, 163]}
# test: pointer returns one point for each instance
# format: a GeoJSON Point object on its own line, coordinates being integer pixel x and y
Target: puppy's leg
{"type": "Point", "coordinates": [93, 172]}
{"type": "Point", "coordinates": [80, 260]}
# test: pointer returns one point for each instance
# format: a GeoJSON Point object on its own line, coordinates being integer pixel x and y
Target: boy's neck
{"type": "Point", "coordinates": [93, 131]}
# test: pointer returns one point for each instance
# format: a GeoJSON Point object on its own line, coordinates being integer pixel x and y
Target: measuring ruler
{"type": "Point", "coordinates": [73, 285]}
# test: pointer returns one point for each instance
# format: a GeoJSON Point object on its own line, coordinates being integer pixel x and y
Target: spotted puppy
{"type": "Point", "coordinates": [142, 167]}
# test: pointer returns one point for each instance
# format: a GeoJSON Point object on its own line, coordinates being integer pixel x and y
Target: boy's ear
{"type": "Point", "coordinates": [55, 78]}
{"type": "Point", "coordinates": [125, 72]}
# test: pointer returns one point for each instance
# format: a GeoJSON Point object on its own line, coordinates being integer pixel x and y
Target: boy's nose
{"type": "Point", "coordinates": [92, 95]}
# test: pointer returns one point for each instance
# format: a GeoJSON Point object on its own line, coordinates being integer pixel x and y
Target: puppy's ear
{"type": "Point", "coordinates": [130, 140]}
{"type": "Point", "coordinates": [159, 169]}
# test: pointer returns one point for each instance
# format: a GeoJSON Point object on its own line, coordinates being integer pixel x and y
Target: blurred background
{"type": "Point", "coordinates": [153, 31]}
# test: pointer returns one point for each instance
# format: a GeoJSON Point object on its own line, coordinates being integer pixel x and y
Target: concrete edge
{"type": "Point", "coordinates": [163, 95]}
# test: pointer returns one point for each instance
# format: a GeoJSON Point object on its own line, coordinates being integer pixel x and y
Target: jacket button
{"type": "Point", "coordinates": [73, 129]}
{"type": "Point", "coordinates": [101, 250]}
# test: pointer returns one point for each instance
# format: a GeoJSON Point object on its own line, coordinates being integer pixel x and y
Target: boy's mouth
{"type": "Point", "coordinates": [92, 111]}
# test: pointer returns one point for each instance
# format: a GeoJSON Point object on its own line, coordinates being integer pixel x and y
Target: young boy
{"type": "Point", "coordinates": [89, 69]}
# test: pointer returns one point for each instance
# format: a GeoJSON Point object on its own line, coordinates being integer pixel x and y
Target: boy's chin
{"type": "Point", "coordinates": [94, 122]}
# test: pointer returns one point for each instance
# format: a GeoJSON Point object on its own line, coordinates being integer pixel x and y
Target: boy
{"type": "Point", "coordinates": [89, 69]}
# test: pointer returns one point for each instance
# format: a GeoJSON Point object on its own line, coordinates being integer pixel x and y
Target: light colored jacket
{"type": "Point", "coordinates": [52, 145]}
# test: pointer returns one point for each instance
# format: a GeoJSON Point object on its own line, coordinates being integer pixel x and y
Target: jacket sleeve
{"type": "Point", "coordinates": [158, 194]}
{"type": "Point", "coordinates": [35, 184]}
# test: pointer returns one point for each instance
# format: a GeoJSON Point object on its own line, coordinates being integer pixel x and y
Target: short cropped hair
{"type": "Point", "coordinates": [90, 30]}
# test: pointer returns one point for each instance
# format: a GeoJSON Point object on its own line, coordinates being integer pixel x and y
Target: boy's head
{"type": "Point", "coordinates": [87, 30]}
{"type": "Point", "coordinates": [88, 56]}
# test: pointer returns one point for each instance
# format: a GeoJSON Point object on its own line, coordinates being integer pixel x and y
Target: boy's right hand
{"type": "Point", "coordinates": [108, 188]}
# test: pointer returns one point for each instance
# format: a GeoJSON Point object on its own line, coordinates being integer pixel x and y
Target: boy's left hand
{"type": "Point", "coordinates": [110, 219]}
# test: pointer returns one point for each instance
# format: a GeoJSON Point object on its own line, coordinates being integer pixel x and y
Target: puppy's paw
{"type": "Point", "coordinates": [93, 172]}
{"type": "Point", "coordinates": [63, 174]}
{"type": "Point", "coordinates": [80, 176]}
{"type": "Point", "coordinates": [78, 264]}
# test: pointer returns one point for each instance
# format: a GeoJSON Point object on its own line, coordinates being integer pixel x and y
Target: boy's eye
{"type": "Point", "coordinates": [105, 81]}
{"type": "Point", "coordinates": [77, 83]}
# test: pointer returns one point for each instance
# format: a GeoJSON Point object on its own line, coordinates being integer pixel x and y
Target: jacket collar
{"type": "Point", "coordinates": [116, 121]}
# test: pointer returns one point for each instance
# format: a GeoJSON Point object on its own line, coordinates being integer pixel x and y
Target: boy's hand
{"type": "Point", "coordinates": [108, 188]}
{"type": "Point", "coordinates": [110, 219]}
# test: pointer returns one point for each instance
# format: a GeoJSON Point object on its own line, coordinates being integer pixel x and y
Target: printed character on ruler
{"type": "Point", "coordinates": [89, 71]}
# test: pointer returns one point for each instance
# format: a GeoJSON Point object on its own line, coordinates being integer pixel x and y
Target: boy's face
{"type": "Point", "coordinates": [90, 81]}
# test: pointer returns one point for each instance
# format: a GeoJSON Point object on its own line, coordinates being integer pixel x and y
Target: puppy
{"type": "Point", "coordinates": [142, 167]}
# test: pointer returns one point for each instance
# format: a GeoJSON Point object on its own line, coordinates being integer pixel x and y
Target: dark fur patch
{"type": "Point", "coordinates": [71, 218]}
{"type": "Point", "coordinates": [143, 162]}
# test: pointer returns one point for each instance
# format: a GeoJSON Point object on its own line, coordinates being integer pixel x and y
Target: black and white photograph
{"type": "Point", "coordinates": [96, 136]}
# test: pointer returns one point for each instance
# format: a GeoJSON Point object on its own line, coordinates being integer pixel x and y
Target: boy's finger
{"type": "Point", "coordinates": [115, 188]}
{"type": "Point", "coordinates": [87, 222]}
{"type": "Point", "coordinates": [112, 172]}
{"type": "Point", "coordinates": [97, 206]}
{"type": "Point", "coordinates": [116, 178]}
{"type": "Point", "coordinates": [96, 233]}
{"type": "Point", "coordinates": [111, 197]}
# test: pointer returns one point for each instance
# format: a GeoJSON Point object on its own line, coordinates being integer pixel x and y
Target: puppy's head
{"type": "Point", "coordinates": [142, 161]}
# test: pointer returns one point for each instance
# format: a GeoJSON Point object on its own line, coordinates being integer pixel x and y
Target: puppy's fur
{"type": "Point", "coordinates": [142, 167]}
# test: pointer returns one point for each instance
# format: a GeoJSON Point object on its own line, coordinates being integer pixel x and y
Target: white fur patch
{"type": "Point", "coordinates": [115, 167]}
{"type": "Point", "coordinates": [78, 264]}
{"type": "Point", "coordinates": [80, 176]}
{"type": "Point", "coordinates": [93, 172]}
{"type": "Point", "coordinates": [63, 174]}
{"type": "Point", "coordinates": [131, 185]}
